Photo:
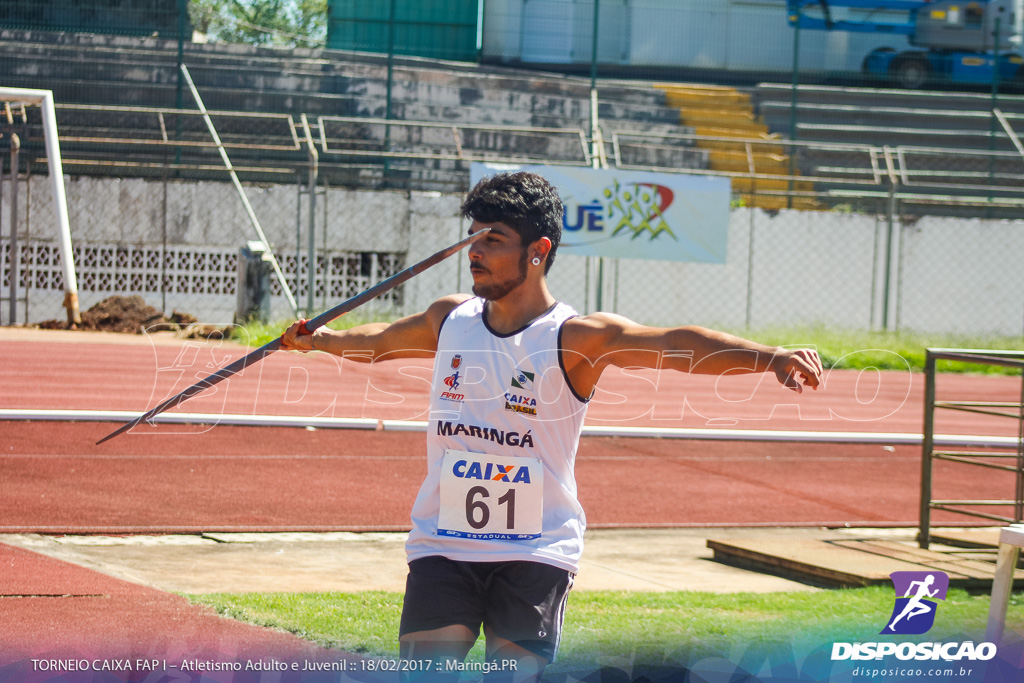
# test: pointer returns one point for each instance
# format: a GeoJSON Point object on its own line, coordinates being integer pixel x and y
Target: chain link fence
{"type": "Point", "coordinates": [871, 208]}
{"type": "Point", "coordinates": [864, 266]}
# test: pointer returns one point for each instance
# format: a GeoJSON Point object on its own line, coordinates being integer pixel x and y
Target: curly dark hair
{"type": "Point", "coordinates": [523, 201]}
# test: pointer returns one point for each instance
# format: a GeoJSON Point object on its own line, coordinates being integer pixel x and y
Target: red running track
{"type": "Point", "coordinates": [53, 478]}
{"type": "Point", "coordinates": [190, 478]}
{"type": "Point", "coordinates": [90, 371]}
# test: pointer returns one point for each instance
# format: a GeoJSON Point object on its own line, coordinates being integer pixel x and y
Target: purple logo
{"type": "Point", "coordinates": [916, 596]}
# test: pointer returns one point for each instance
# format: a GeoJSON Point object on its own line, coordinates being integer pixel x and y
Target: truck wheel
{"type": "Point", "coordinates": [911, 72]}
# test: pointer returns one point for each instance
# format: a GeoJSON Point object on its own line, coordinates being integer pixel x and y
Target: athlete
{"type": "Point", "coordinates": [497, 529]}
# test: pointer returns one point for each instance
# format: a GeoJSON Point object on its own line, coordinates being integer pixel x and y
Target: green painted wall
{"type": "Point", "coordinates": [442, 29]}
{"type": "Point", "coordinates": [123, 17]}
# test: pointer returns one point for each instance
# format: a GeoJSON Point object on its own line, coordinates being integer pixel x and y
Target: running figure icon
{"type": "Point", "coordinates": [915, 606]}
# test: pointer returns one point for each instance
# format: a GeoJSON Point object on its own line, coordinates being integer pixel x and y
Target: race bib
{"type": "Point", "coordinates": [488, 496]}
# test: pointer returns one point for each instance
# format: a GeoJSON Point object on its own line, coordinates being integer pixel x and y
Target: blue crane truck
{"type": "Point", "coordinates": [959, 42]}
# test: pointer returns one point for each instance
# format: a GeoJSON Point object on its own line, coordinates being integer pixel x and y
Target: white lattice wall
{"type": "Point", "coordinates": [197, 280]}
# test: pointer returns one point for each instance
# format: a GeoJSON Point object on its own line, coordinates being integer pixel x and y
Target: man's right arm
{"type": "Point", "coordinates": [414, 336]}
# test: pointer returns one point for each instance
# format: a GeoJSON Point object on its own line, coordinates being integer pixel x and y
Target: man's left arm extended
{"type": "Point", "coordinates": [597, 341]}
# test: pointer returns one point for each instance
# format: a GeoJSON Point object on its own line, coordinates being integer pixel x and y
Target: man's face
{"type": "Point", "coordinates": [497, 262]}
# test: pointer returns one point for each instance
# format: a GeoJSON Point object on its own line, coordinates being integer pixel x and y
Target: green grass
{"type": "Point", "coordinates": [650, 628]}
{"type": "Point", "coordinates": [847, 349]}
{"type": "Point", "coordinates": [886, 350]}
{"type": "Point", "coordinates": [257, 334]}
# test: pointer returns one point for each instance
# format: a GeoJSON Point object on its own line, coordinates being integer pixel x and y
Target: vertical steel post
{"type": "Point", "coordinates": [390, 87]}
{"type": "Point", "coordinates": [593, 47]}
{"type": "Point", "coordinates": [595, 136]}
{"type": "Point", "coordinates": [750, 269]}
{"type": "Point", "coordinates": [889, 235]}
{"type": "Point", "coordinates": [1, 223]}
{"type": "Point", "coordinates": [12, 272]}
{"type": "Point", "coordinates": [890, 227]}
{"type": "Point", "coordinates": [793, 105]}
{"type": "Point", "coordinates": [313, 172]}
{"type": "Point", "coordinates": [927, 445]}
{"type": "Point", "coordinates": [1018, 508]}
{"type": "Point", "coordinates": [179, 93]}
{"type": "Point", "coordinates": [298, 233]}
{"type": "Point", "coordinates": [992, 119]}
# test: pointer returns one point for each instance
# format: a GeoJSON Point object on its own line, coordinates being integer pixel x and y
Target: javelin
{"type": "Point", "coordinates": [308, 328]}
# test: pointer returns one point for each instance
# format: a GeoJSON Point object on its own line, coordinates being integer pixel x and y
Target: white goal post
{"type": "Point", "coordinates": [44, 98]}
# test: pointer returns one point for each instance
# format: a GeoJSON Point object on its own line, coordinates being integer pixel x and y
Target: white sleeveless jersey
{"type": "Point", "coordinates": [501, 446]}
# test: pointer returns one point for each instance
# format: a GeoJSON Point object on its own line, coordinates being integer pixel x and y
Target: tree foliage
{"type": "Point", "coordinates": [285, 23]}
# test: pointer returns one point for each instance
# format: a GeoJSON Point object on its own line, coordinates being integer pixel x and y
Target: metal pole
{"type": "Point", "coordinates": [61, 200]}
{"type": "Point", "coordinates": [595, 136]}
{"type": "Point", "coordinates": [750, 268]}
{"type": "Point", "coordinates": [12, 272]}
{"type": "Point", "coordinates": [992, 119]}
{"type": "Point", "coordinates": [890, 231]}
{"type": "Point", "coordinates": [593, 47]}
{"type": "Point", "coordinates": [179, 93]}
{"type": "Point", "coordinates": [45, 99]}
{"type": "Point", "coordinates": [323, 244]}
{"type": "Point", "coordinates": [390, 86]}
{"type": "Point", "coordinates": [11, 322]}
{"type": "Point", "coordinates": [1014, 138]}
{"type": "Point", "coordinates": [241, 193]}
{"type": "Point", "coordinates": [926, 450]}
{"type": "Point", "coordinates": [1018, 508]}
{"type": "Point", "coordinates": [890, 220]}
{"type": "Point", "coordinates": [792, 106]}
{"type": "Point", "coordinates": [314, 169]}
{"type": "Point", "coordinates": [298, 232]}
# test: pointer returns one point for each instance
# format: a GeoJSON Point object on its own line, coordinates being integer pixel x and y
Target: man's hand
{"type": "Point", "coordinates": [291, 340]}
{"type": "Point", "coordinates": [798, 368]}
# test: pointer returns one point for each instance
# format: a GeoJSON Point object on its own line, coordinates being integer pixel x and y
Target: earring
{"type": "Point", "coordinates": [536, 260]}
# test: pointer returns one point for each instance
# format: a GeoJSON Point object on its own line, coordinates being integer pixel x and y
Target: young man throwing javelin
{"type": "Point", "coordinates": [497, 528]}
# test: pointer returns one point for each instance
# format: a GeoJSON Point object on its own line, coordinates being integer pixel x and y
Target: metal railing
{"type": "Point", "coordinates": [141, 140]}
{"type": "Point", "coordinates": [1012, 462]}
{"type": "Point", "coordinates": [383, 138]}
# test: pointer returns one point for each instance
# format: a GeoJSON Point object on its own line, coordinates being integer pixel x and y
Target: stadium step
{"type": "Point", "coordinates": [703, 95]}
{"type": "Point", "coordinates": [773, 184]}
{"type": "Point", "coordinates": [737, 161]}
{"type": "Point", "coordinates": [942, 141]}
{"type": "Point", "coordinates": [497, 109]}
{"type": "Point", "coordinates": [740, 139]}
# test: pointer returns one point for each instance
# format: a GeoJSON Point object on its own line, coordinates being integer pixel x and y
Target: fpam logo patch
{"type": "Point", "coordinates": [916, 596]}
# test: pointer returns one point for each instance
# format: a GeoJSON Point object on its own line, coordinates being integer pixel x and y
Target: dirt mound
{"type": "Point", "coordinates": [132, 315]}
{"type": "Point", "coordinates": [129, 314]}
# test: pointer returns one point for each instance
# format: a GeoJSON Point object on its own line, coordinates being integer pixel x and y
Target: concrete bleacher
{"type": "Point", "coordinates": [940, 143]}
{"type": "Point", "coordinates": [87, 69]}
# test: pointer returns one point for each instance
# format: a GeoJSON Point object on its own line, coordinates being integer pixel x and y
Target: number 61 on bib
{"type": "Point", "coordinates": [488, 496]}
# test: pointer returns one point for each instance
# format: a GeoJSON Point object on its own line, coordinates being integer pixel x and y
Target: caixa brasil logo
{"type": "Point", "coordinates": [916, 604]}
{"type": "Point", "coordinates": [632, 208]}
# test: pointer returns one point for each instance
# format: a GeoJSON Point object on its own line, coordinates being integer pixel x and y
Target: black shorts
{"type": "Point", "coordinates": [523, 602]}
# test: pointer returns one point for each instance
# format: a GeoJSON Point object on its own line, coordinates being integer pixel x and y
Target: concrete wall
{"type": "Point", "coordinates": [783, 268]}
